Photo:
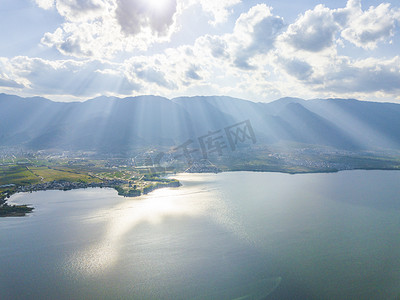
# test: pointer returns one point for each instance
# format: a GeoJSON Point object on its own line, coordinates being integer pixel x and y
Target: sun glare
{"type": "Point", "coordinates": [158, 5]}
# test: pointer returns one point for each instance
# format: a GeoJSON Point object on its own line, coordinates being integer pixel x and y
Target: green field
{"type": "Point", "coordinates": [51, 174]}
{"type": "Point", "coordinates": [24, 175]}
{"type": "Point", "coordinates": [18, 175]}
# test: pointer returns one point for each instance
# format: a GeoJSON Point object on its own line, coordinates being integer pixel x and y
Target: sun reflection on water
{"type": "Point", "coordinates": [119, 220]}
{"type": "Point", "coordinates": [124, 217]}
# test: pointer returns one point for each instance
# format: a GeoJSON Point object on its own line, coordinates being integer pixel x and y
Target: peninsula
{"type": "Point", "coordinates": [30, 175]}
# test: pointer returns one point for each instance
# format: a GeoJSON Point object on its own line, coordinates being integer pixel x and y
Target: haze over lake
{"type": "Point", "coordinates": [221, 236]}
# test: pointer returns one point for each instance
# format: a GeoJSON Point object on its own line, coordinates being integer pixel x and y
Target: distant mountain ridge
{"type": "Point", "coordinates": [119, 124]}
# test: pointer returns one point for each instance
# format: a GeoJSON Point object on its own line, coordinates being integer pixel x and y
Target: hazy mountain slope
{"type": "Point", "coordinates": [102, 123]}
{"type": "Point", "coordinates": [369, 124]}
{"type": "Point", "coordinates": [141, 120]}
{"type": "Point", "coordinates": [308, 127]}
{"type": "Point", "coordinates": [114, 124]}
{"type": "Point", "coordinates": [219, 112]}
{"type": "Point", "coordinates": [22, 119]}
{"type": "Point", "coordinates": [204, 115]}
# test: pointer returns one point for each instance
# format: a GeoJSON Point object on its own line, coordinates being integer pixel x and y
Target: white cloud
{"type": "Point", "coordinates": [45, 4]}
{"type": "Point", "coordinates": [296, 67]}
{"type": "Point", "coordinates": [255, 33]}
{"type": "Point", "coordinates": [362, 76]}
{"type": "Point", "coordinates": [313, 31]}
{"type": "Point", "coordinates": [164, 73]}
{"type": "Point", "coordinates": [219, 10]}
{"type": "Point", "coordinates": [81, 10]}
{"type": "Point", "coordinates": [102, 28]}
{"type": "Point", "coordinates": [216, 44]}
{"type": "Point", "coordinates": [343, 15]}
{"type": "Point", "coordinates": [135, 15]}
{"type": "Point", "coordinates": [152, 74]}
{"type": "Point", "coordinates": [5, 82]}
{"type": "Point", "coordinates": [81, 79]}
{"type": "Point", "coordinates": [245, 48]}
{"type": "Point", "coordinates": [175, 70]}
{"type": "Point", "coordinates": [101, 38]}
{"type": "Point", "coordinates": [8, 77]}
{"type": "Point", "coordinates": [312, 66]}
{"type": "Point", "coordinates": [377, 24]}
{"type": "Point", "coordinates": [192, 73]}
{"type": "Point", "coordinates": [262, 57]}
{"type": "Point", "coordinates": [338, 76]}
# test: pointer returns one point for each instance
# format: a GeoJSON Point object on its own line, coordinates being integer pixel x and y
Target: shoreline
{"type": "Point", "coordinates": [23, 209]}
{"type": "Point", "coordinates": [20, 210]}
{"type": "Point", "coordinates": [327, 171]}
{"type": "Point", "coordinates": [299, 172]}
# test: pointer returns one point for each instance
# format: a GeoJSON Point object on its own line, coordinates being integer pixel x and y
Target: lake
{"type": "Point", "coordinates": [219, 236]}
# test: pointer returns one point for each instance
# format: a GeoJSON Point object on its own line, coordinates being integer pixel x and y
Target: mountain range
{"type": "Point", "coordinates": [120, 124]}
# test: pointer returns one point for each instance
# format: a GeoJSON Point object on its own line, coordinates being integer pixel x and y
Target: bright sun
{"type": "Point", "coordinates": [157, 4]}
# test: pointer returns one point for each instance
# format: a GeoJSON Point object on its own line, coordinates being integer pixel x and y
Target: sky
{"type": "Point", "coordinates": [73, 50]}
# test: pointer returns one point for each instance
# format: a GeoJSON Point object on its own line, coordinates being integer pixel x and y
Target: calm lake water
{"type": "Point", "coordinates": [219, 236]}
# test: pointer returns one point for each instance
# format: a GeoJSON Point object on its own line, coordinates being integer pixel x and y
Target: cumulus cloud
{"type": "Point", "coordinates": [317, 29]}
{"type": "Point", "coordinates": [245, 48]}
{"type": "Point", "coordinates": [377, 24]}
{"type": "Point", "coordinates": [343, 15]}
{"type": "Point", "coordinates": [80, 10]}
{"type": "Point", "coordinates": [311, 64]}
{"type": "Point", "coordinates": [78, 40]}
{"type": "Point", "coordinates": [314, 31]}
{"type": "Point", "coordinates": [366, 76]}
{"type": "Point", "coordinates": [8, 77]}
{"type": "Point", "coordinates": [163, 73]}
{"type": "Point", "coordinates": [255, 33]}
{"type": "Point", "coordinates": [82, 79]}
{"type": "Point", "coordinates": [72, 40]}
{"type": "Point", "coordinates": [192, 73]}
{"type": "Point", "coordinates": [261, 55]}
{"type": "Point", "coordinates": [152, 74]}
{"type": "Point", "coordinates": [134, 15]}
{"type": "Point", "coordinates": [45, 4]}
{"type": "Point", "coordinates": [216, 44]}
{"type": "Point", "coordinates": [5, 82]}
{"type": "Point", "coordinates": [101, 28]}
{"type": "Point", "coordinates": [174, 70]}
{"type": "Point", "coordinates": [300, 69]}
{"type": "Point", "coordinates": [219, 10]}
